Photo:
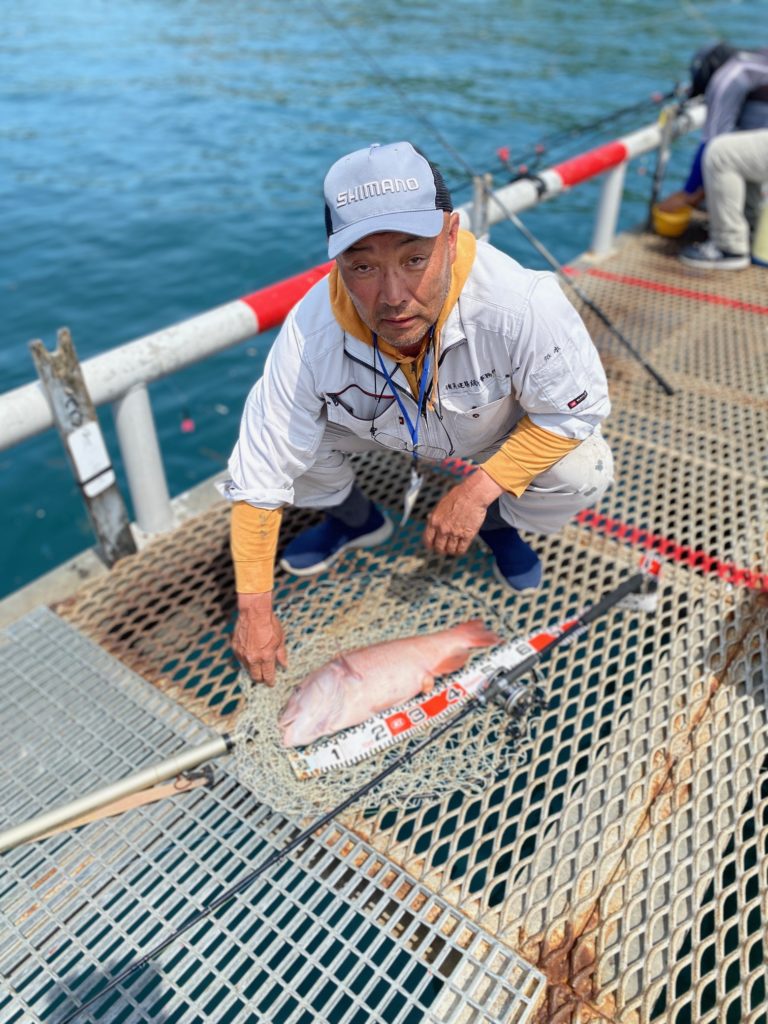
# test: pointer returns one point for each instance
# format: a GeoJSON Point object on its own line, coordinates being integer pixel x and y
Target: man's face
{"type": "Point", "coordinates": [398, 283]}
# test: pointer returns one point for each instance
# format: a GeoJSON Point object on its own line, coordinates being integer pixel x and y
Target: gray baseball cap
{"type": "Point", "coordinates": [383, 188]}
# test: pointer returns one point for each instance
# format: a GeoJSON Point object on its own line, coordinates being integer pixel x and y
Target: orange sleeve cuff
{"type": "Point", "coordinates": [528, 451]}
{"type": "Point", "coordinates": [253, 543]}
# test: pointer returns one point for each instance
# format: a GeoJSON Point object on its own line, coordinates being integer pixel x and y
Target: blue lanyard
{"type": "Point", "coordinates": [412, 430]}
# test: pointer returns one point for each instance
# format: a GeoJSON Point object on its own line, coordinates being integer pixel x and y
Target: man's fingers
{"type": "Point", "coordinates": [429, 536]}
{"type": "Point", "coordinates": [261, 671]}
{"type": "Point", "coordinates": [453, 546]}
{"type": "Point", "coordinates": [268, 674]}
{"type": "Point", "coordinates": [446, 543]}
{"type": "Point", "coordinates": [258, 645]}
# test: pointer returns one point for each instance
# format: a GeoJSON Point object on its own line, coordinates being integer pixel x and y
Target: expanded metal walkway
{"type": "Point", "coordinates": [626, 856]}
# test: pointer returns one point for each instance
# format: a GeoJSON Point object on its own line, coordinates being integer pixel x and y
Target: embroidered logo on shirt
{"type": "Point", "coordinates": [475, 382]}
{"type": "Point", "coordinates": [577, 400]}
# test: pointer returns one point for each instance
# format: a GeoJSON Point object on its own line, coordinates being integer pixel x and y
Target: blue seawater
{"type": "Point", "coordinates": [160, 157]}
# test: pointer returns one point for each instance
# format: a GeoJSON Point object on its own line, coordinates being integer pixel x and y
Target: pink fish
{"type": "Point", "coordinates": [362, 682]}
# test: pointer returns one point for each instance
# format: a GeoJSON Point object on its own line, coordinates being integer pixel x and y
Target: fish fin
{"type": "Point", "coordinates": [475, 633]}
{"type": "Point", "coordinates": [383, 705]}
{"type": "Point", "coordinates": [427, 682]}
{"type": "Point", "coordinates": [347, 667]}
{"type": "Point", "coordinates": [450, 663]}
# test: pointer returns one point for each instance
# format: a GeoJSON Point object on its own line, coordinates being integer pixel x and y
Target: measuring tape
{"type": "Point", "coordinates": [400, 722]}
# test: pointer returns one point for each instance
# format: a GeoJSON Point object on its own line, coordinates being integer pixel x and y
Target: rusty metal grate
{"type": "Point", "coordinates": [645, 789]}
{"type": "Point", "coordinates": [627, 856]}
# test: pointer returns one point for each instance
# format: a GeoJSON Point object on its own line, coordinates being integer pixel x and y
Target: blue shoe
{"type": "Point", "coordinates": [517, 564]}
{"type": "Point", "coordinates": [315, 549]}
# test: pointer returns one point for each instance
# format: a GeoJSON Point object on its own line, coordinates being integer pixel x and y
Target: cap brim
{"type": "Point", "coordinates": [421, 223]}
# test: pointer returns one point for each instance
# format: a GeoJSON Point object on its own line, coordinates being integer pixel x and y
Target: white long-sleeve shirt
{"type": "Point", "coordinates": [513, 345]}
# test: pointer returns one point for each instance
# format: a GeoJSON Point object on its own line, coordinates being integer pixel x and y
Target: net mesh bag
{"type": "Point", "coordinates": [359, 609]}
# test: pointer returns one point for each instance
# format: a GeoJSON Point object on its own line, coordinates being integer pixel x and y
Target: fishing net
{"type": "Point", "coordinates": [360, 609]}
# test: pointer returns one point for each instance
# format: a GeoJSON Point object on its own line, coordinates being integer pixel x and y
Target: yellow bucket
{"type": "Point", "coordinates": [670, 223]}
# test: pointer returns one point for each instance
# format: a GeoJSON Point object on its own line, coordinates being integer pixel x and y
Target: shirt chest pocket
{"type": "Point", "coordinates": [367, 415]}
{"type": "Point", "coordinates": [385, 423]}
{"type": "Point", "coordinates": [355, 405]}
{"type": "Point", "coordinates": [478, 418]}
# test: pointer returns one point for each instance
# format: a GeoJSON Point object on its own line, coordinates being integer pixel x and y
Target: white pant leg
{"type": "Point", "coordinates": [577, 481]}
{"type": "Point", "coordinates": [732, 162]}
{"type": "Point", "coordinates": [330, 479]}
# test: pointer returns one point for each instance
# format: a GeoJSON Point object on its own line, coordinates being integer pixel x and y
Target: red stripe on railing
{"type": "Point", "coordinates": [670, 289]}
{"type": "Point", "coordinates": [593, 162]}
{"type": "Point", "coordinates": [273, 303]}
{"type": "Point", "coordinates": [670, 549]}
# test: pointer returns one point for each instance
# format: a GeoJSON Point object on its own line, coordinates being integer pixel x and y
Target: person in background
{"type": "Point", "coordinates": [735, 165]}
{"type": "Point", "coordinates": [426, 343]}
{"type": "Point", "coordinates": [731, 162]}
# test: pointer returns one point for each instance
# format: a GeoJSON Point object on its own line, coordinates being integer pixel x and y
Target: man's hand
{"type": "Point", "coordinates": [453, 523]}
{"type": "Point", "coordinates": [677, 200]}
{"type": "Point", "coordinates": [258, 642]}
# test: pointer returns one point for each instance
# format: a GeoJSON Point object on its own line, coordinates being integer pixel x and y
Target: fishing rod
{"type": "Point", "coordinates": [531, 157]}
{"type": "Point", "coordinates": [488, 191]}
{"type": "Point", "coordinates": [501, 689]}
{"type": "Point", "coordinates": [558, 268]}
{"type": "Point", "coordinates": [539, 246]}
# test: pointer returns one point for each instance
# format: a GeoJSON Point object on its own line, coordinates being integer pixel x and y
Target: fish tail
{"type": "Point", "coordinates": [475, 633]}
{"type": "Point", "coordinates": [464, 637]}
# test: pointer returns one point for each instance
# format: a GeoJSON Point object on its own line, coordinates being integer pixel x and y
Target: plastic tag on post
{"type": "Point", "coordinates": [411, 495]}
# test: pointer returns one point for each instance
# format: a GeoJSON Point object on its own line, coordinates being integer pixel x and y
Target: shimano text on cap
{"type": "Point", "coordinates": [383, 188]}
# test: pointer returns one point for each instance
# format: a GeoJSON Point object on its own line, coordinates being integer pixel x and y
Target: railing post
{"type": "Point", "coordinates": [608, 207]}
{"type": "Point", "coordinates": [482, 186]}
{"type": "Point", "coordinates": [142, 460]}
{"type": "Point", "coordinates": [75, 417]}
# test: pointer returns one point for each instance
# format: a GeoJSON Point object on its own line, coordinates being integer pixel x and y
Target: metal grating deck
{"type": "Point", "coordinates": [336, 934]}
{"type": "Point", "coordinates": [627, 856]}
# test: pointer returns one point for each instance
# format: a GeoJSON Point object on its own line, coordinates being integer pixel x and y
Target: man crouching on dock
{"type": "Point", "coordinates": [425, 341]}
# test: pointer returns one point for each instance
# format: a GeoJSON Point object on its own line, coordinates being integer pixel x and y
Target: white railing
{"type": "Point", "coordinates": [119, 377]}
